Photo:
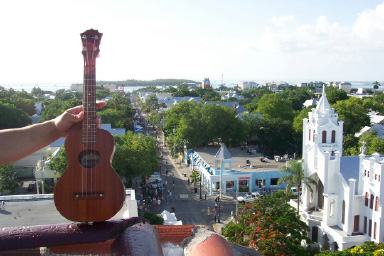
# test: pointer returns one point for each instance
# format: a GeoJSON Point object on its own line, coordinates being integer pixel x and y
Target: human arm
{"type": "Point", "coordinates": [18, 143]}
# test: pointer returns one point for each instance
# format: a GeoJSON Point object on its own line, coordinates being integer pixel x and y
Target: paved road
{"type": "Point", "coordinates": [191, 210]}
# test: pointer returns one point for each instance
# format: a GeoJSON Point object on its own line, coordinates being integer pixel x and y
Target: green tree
{"type": "Point", "coordinates": [375, 103]}
{"type": "Point", "coordinates": [297, 96]}
{"type": "Point", "coordinates": [59, 163]}
{"type": "Point", "coordinates": [269, 225]}
{"type": "Point", "coordinates": [12, 117]}
{"type": "Point", "coordinates": [251, 124]}
{"type": "Point", "coordinates": [275, 106]}
{"type": "Point", "coordinates": [334, 95]}
{"type": "Point", "coordinates": [195, 176]}
{"type": "Point", "coordinates": [222, 125]}
{"type": "Point", "coordinates": [116, 118]}
{"type": "Point", "coordinates": [151, 104]}
{"type": "Point", "coordinates": [368, 248]}
{"type": "Point", "coordinates": [135, 155]}
{"type": "Point", "coordinates": [376, 85]}
{"type": "Point", "coordinates": [275, 136]}
{"type": "Point", "coordinates": [174, 115]}
{"type": "Point", "coordinates": [350, 145]}
{"type": "Point", "coordinates": [353, 113]}
{"type": "Point", "coordinates": [373, 142]}
{"type": "Point", "coordinates": [293, 175]}
{"type": "Point", "coordinates": [8, 179]}
{"type": "Point", "coordinates": [27, 105]}
{"type": "Point", "coordinates": [54, 108]}
{"type": "Point", "coordinates": [102, 93]}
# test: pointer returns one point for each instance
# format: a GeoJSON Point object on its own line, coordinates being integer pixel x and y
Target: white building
{"type": "Point", "coordinates": [346, 207]}
{"type": "Point", "coordinates": [231, 94]}
{"type": "Point", "coordinates": [247, 85]}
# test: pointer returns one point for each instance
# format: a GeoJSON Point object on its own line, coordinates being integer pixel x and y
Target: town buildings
{"type": "Point", "coordinates": [246, 171]}
{"type": "Point", "coordinates": [247, 85]}
{"type": "Point", "coordinates": [345, 208]}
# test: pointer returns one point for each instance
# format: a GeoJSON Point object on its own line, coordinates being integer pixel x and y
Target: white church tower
{"type": "Point", "coordinates": [344, 208]}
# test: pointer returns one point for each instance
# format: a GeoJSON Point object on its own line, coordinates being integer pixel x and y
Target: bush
{"type": "Point", "coordinates": [154, 219]}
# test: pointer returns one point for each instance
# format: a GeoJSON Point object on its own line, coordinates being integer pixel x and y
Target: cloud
{"type": "Point", "coordinates": [324, 36]}
{"type": "Point", "coordinates": [282, 20]}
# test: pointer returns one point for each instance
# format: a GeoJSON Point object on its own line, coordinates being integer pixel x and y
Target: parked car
{"type": "Point", "coordinates": [32, 186]}
{"type": "Point", "coordinates": [294, 191]}
{"type": "Point", "coordinates": [155, 177]}
{"type": "Point", "coordinates": [249, 197]}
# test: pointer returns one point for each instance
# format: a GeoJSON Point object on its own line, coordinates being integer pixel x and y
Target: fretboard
{"type": "Point", "coordinates": [89, 105]}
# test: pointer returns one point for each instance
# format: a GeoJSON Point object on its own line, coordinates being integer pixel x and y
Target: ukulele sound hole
{"type": "Point", "coordinates": [89, 158]}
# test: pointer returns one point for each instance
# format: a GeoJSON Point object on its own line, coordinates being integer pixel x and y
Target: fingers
{"type": "Point", "coordinates": [98, 121]}
{"type": "Point", "coordinates": [76, 110]}
{"type": "Point", "coordinates": [100, 104]}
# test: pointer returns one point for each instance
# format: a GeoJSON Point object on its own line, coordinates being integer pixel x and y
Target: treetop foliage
{"type": "Point", "coordinates": [269, 225]}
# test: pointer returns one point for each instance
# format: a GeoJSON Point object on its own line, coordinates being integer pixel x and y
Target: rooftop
{"type": "Point", "coordinates": [239, 158]}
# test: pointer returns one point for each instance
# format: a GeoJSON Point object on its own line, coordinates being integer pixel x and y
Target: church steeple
{"type": "Point", "coordinates": [323, 106]}
{"type": "Point", "coordinates": [322, 129]}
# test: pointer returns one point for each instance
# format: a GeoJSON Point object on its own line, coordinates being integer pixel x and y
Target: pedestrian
{"type": "Point", "coordinates": [158, 203]}
{"type": "Point", "coordinates": [173, 183]}
{"type": "Point", "coordinates": [188, 181]}
{"type": "Point", "coordinates": [166, 172]}
{"type": "Point", "coordinates": [170, 195]}
{"type": "Point", "coordinates": [209, 213]}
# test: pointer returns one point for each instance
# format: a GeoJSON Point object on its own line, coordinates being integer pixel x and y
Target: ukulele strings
{"type": "Point", "coordinates": [85, 115]}
{"type": "Point", "coordinates": [93, 112]}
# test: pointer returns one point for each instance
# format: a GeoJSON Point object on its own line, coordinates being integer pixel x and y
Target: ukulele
{"type": "Point", "coordinates": [89, 190]}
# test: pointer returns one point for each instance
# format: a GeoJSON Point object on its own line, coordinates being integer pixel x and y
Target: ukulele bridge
{"type": "Point", "coordinates": [88, 195]}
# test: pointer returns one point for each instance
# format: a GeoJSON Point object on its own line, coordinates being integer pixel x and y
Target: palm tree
{"type": "Point", "coordinates": [376, 85]}
{"type": "Point", "coordinates": [293, 174]}
{"type": "Point", "coordinates": [194, 177]}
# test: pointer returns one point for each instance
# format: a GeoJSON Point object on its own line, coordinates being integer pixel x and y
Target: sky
{"type": "Point", "coordinates": [233, 40]}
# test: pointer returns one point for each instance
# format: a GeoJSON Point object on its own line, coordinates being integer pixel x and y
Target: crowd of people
{"type": "Point", "coordinates": [153, 195]}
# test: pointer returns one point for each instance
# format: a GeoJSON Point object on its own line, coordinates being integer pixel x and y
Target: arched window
{"type": "Point", "coordinates": [366, 198]}
{"type": "Point", "coordinates": [365, 172]}
{"type": "Point", "coordinates": [372, 201]}
{"type": "Point", "coordinates": [309, 135]}
{"type": "Point", "coordinates": [324, 140]}
{"type": "Point", "coordinates": [343, 212]}
{"type": "Point", "coordinates": [314, 131]}
{"type": "Point", "coordinates": [315, 232]}
{"type": "Point", "coordinates": [333, 137]}
{"type": "Point", "coordinates": [377, 204]}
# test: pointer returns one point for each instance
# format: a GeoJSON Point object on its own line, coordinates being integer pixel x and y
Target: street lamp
{"type": "Point", "coordinates": [218, 215]}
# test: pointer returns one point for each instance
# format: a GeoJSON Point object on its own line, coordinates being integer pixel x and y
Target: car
{"type": "Point", "coordinates": [294, 191]}
{"type": "Point", "coordinates": [32, 186]}
{"type": "Point", "coordinates": [155, 177]}
{"type": "Point", "coordinates": [249, 197]}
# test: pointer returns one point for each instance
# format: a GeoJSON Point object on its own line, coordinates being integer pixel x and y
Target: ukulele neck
{"type": "Point", "coordinates": [89, 105]}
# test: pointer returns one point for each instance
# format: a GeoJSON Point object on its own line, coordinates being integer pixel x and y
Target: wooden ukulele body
{"type": "Point", "coordinates": [89, 190]}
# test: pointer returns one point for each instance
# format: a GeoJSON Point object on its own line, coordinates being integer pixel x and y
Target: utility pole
{"type": "Point", "coordinates": [237, 204]}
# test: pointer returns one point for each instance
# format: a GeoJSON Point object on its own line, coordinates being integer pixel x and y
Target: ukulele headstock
{"type": "Point", "coordinates": [91, 42]}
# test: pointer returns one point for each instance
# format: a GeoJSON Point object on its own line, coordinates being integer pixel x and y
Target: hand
{"type": "Point", "coordinates": [71, 118]}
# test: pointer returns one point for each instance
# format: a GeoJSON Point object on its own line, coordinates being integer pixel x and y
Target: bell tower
{"type": "Point", "coordinates": [322, 132]}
